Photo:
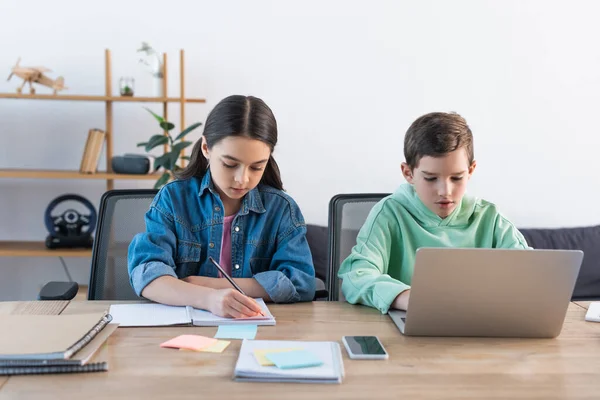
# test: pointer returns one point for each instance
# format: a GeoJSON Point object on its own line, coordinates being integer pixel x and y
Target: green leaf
{"type": "Point", "coordinates": [188, 130]}
{"type": "Point", "coordinates": [162, 180]}
{"type": "Point", "coordinates": [162, 161]}
{"type": "Point", "coordinates": [143, 144]}
{"type": "Point", "coordinates": [158, 117]}
{"type": "Point", "coordinates": [180, 146]}
{"type": "Point", "coordinates": [155, 141]}
{"type": "Point", "coordinates": [173, 157]}
{"type": "Point", "coordinates": [166, 125]}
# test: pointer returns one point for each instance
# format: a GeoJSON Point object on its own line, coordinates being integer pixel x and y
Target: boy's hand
{"type": "Point", "coordinates": [401, 301]}
{"type": "Point", "coordinates": [230, 303]}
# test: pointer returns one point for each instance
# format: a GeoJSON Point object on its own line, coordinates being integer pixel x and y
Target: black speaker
{"type": "Point", "coordinates": [135, 164]}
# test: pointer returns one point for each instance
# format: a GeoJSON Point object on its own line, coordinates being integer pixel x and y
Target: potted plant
{"type": "Point", "coordinates": [168, 161]}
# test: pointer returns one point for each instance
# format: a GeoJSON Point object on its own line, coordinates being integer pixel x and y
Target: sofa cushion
{"type": "Point", "coordinates": [586, 239]}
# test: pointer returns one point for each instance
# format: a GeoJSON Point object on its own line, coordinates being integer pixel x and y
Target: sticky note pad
{"type": "Point", "coordinates": [260, 355]}
{"type": "Point", "coordinates": [294, 359]}
{"type": "Point", "coordinates": [217, 347]}
{"type": "Point", "coordinates": [190, 342]}
{"type": "Point", "coordinates": [236, 332]}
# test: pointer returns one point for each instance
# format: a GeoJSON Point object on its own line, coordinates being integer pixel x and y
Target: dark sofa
{"type": "Point", "coordinates": [586, 239]}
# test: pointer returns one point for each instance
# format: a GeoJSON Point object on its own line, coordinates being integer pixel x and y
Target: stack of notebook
{"type": "Point", "coordinates": [38, 344]}
{"type": "Point", "coordinates": [289, 361]}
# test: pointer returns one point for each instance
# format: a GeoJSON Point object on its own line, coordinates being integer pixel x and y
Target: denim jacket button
{"type": "Point", "coordinates": [217, 208]}
{"type": "Point", "coordinates": [211, 245]}
{"type": "Point", "coordinates": [237, 266]}
{"type": "Point", "coordinates": [237, 228]}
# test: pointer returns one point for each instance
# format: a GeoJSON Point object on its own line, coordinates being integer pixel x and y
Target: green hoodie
{"type": "Point", "coordinates": [380, 266]}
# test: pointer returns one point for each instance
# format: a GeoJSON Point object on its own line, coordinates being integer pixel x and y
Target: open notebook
{"type": "Point", "coordinates": [248, 369]}
{"type": "Point", "coordinates": [152, 314]}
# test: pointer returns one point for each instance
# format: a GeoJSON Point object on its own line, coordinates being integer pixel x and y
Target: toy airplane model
{"type": "Point", "coordinates": [36, 75]}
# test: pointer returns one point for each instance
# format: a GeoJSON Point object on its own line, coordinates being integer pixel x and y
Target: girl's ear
{"type": "Point", "coordinates": [204, 147]}
{"type": "Point", "coordinates": [407, 172]}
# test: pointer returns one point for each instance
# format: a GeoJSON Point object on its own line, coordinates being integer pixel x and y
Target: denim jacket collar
{"type": "Point", "coordinates": [250, 202]}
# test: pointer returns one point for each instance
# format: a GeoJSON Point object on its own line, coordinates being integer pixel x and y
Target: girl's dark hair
{"type": "Point", "coordinates": [237, 115]}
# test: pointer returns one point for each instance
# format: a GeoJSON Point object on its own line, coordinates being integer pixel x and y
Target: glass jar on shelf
{"type": "Point", "coordinates": [126, 86]}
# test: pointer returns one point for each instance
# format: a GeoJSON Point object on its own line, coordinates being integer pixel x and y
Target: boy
{"type": "Point", "coordinates": [431, 210]}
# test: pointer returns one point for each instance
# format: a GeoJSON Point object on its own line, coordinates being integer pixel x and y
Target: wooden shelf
{"type": "Point", "coordinates": [73, 97]}
{"type": "Point", "coordinates": [38, 249]}
{"type": "Point", "coordinates": [110, 100]}
{"type": "Point", "coordinates": [63, 174]}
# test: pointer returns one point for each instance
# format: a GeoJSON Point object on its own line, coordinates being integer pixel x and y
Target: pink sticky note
{"type": "Point", "coordinates": [191, 342]}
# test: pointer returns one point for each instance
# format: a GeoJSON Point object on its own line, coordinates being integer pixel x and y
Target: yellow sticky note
{"type": "Point", "coordinates": [217, 347]}
{"type": "Point", "coordinates": [191, 342]}
{"type": "Point", "coordinates": [260, 354]}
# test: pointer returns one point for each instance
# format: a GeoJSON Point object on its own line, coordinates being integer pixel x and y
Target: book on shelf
{"type": "Point", "coordinates": [92, 151]}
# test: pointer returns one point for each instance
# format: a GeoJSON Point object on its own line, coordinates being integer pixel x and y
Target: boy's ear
{"type": "Point", "coordinates": [407, 172]}
{"type": "Point", "coordinates": [472, 168]}
{"type": "Point", "coordinates": [204, 147]}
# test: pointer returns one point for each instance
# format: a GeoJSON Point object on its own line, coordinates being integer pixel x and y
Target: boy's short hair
{"type": "Point", "coordinates": [436, 134]}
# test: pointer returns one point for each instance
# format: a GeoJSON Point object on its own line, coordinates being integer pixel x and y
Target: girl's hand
{"type": "Point", "coordinates": [230, 303]}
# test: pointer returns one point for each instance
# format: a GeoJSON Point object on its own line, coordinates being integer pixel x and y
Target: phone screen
{"type": "Point", "coordinates": [364, 345]}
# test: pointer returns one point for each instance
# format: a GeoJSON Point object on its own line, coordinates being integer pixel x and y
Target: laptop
{"type": "Point", "coordinates": [489, 292]}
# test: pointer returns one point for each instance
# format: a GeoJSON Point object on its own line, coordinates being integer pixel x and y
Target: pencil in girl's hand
{"type": "Point", "coordinates": [230, 279]}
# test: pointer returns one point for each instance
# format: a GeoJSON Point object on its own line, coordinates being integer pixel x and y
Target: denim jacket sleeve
{"type": "Point", "coordinates": [151, 253]}
{"type": "Point", "coordinates": [291, 276]}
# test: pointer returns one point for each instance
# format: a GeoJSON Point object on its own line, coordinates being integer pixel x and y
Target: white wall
{"type": "Point", "coordinates": [344, 78]}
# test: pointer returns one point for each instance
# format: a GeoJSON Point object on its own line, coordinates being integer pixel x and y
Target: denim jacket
{"type": "Point", "coordinates": [184, 226]}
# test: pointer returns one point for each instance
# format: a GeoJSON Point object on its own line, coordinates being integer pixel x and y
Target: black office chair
{"type": "Point", "coordinates": [347, 214]}
{"type": "Point", "coordinates": [120, 218]}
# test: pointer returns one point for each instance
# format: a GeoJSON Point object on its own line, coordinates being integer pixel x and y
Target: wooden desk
{"type": "Point", "coordinates": [418, 368]}
{"type": "Point", "coordinates": [584, 304]}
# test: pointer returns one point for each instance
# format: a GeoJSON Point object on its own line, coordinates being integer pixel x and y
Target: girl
{"type": "Point", "coordinates": [228, 204]}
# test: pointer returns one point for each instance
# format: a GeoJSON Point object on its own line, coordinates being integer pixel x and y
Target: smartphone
{"type": "Point", "coordinates": [364, 347]}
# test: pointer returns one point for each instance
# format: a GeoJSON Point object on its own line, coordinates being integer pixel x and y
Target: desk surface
{"type": "Point", "coordinates": [430, 368]}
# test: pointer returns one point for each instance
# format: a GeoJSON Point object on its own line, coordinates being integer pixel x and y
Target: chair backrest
{"type": "Point", "coordinates": [120, 217]}
{"type": "Point", "coordinates": [347, 214]}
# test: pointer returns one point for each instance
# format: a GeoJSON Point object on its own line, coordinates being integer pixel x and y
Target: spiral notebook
{"type": "Point", "coordinates": [47, 337]}
{"type": "Point", "coordinates": [82, 357]}
{"type": "Point", "coordinates": [249, 369]}
{"type": "Point", "coordinates": [152, 314]}
{"type": "Point", "coordinates": [54, 369]}
{"type": "Point", "coordinates": [95, 360]}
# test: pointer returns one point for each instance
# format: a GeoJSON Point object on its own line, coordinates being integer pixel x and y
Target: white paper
{"type": "Point", "coordinates": [205, 318]}
{"type": "Point", "coordinates": [593, 312]}
{"type": "Point", "coordinates": [150, 314]}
